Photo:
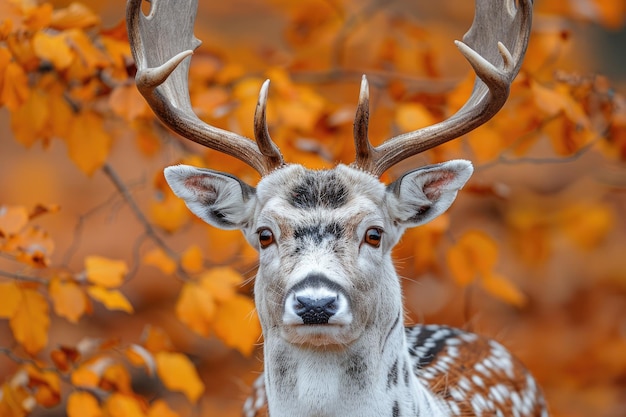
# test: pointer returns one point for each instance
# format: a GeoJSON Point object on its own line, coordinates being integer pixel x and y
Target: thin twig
{"type": "Point", "coordinates": [22, 277]}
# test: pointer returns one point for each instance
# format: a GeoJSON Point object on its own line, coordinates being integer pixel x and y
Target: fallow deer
{"type": "Point", "coordinates": [327, 294]}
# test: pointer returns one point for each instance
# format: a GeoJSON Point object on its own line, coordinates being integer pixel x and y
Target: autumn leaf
{"type": "Point", "coordinates": [502, 288]}
{"type": "Point", "coordinates": [178, 374]}
{"type": "Point", "coordinates": [170, 213]}
{"type": "Point", "coordinates": [88, 142]}
{"type": "Point", "coordinates": [10, 299]}
{"type": "Point", "coordinates": [12, 219]}
{"type": "Point", "coordinates": [474, 253]}
{"type": "Point", "coordinates": [105, 272]}
{"type": "Point", "coordinates": [29, 120]}
{"type": "Point", "coordinates": [15, 90]}
{"type": "Point", "coordinates": [236, 324]}
{"type": "Point", "coordinates": [112, 299]}
{"type": "Point", "coordinates": [120, 405]}
{"type": "Point", "coordinates": [192, 260]}
{"type": "Point", "coordinates": [53, 48]}
{"type": "Point", "coordinates": [82, 404]}
{"type": "Point", "coordinates": [158, 258]}
{"type": "Point", "coordinates": [127, 103]}
{"type": "Point", "coordinates": [140, 356]}
{"type": "Point", "coordinates": [413, 116]}
{"type": "Point", "coordinates": [76, 15]}
{"type": "Point", "coordinates": [160, 409]}
{"type": "Point", "coordinates": [30, 321]}
{"type": "Point", "coordinates": [68, 299]}
{"type": "Point", "coordinates": [221, 283]}
{"type": "Point", "coordinates": [196, 308]}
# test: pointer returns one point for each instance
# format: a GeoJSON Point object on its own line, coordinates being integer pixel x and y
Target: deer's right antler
{"type": "Point", "coordinates": [161, 44]}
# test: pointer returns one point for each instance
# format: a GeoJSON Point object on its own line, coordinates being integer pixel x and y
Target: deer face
{"type": "Point", "coordinates": [324, 240]}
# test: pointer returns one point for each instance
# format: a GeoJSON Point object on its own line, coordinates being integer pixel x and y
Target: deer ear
{"type": "Point", "coordinates": [219, 199]}
{"type": "Point", "coordinates": [425, 193]}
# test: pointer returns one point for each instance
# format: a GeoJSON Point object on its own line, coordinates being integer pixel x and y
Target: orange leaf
{"type": "Point", "coordinates": [191, 260]}
{"type": "Point", "coordinates": [76, 15]}
{"type": "Point", "coordinates": [10, 299]}
{"type": "Point", "coordinates": [29, 121]}
{"type": "Point", "coordinates": [105, 272]}
{"type": "Point", "coordinates": [112, 299]}
{"type": "Point", "coordinates": [486, 142]}
{"type": "Point", "coordinates": [32, 246]}
{"type": "Point", "coordinates": [53, 48]}
{"type": "Point", "coordinates": [155, 339]}
{"type": "Point", "coordinates": [140, 356]}
{"type": "Point", "coordinates": [412, 116]}
{"type": "Point", "coordinates": [196, 307]}
{"type": "Point", "coordinates": [87, 142]}
{"type": "Point", "coordinates": [587, 224]}
{"type": "Point", "coordinates": [68, 299]}
{"type": "Point", "coordinates": [221, 282]}
{"type": "Point", "coordinates": [503, 289]}
{"type": "Point", "coordinates": [170, 214]}
{"type": "Point", "coordinates": [127, 103]}
{"type": "Point", "coordinates": [474, 253]}
{"type": "Point", "coordinates": [178, 374]}
{"type": "Point", "coordinates": [82, 404]}
{"type": "Point", "coordinates": [30, 321]}
{"type": "Point", "coordinates": [160, 409]}
{"type": "Point", "coordinates": [237, 325]}
{"type": "Point", "coordinates": [12, 219]}
{"type": "Point", "coordinates": [15, 90]}
{"type": "Point", "coordinates": [120, 405]}
{"type": "Point", "coordinates": [158, 258]}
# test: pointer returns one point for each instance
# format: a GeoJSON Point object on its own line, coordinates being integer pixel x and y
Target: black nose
{"type": "Point", "coordinates": [315, 311]}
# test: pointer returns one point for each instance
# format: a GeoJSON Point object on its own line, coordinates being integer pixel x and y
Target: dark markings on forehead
{"type": "Point", "coordinates": [318, 233]}
{"type": "Point", "coordinates": [319, 189]}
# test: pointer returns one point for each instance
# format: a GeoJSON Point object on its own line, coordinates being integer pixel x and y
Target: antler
{"type": "Point", "coordinates": [161, 44]}
{"type": "Point", "coordinates": [498, 28]}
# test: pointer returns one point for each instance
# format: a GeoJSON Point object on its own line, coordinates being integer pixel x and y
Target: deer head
{"type": "Point", "coordinates": [324, 237]}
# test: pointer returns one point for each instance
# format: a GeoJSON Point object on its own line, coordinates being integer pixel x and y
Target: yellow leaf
{"type": "Point", "coordinates": [587, 224]}
{"type": "Point", "coordinates": [85, 377]}
{"type": "Point", "coordinates": [68, 299]}
{"type": "Point", "coordinates": [30, 321]}
{"type": "Point", "coordinates": [53, 48]}
{"type": "Point", "coordinates": [170, 214]}
{"type": "Point", "coordinates": [236, 324]}
{"type": "Point", "coordinates": [486, 142]}
{"type": "Point", "coordinates": [160, 409]}
{"type": "Point", "coordinates": [503, 289]}
{"type": "Point", "coordinates": [156, 340]}
{"type": "Point", "coordinates": [15, 90]}
{"type": "Point", "coordinates": [12, 219]}
{"type": "Point", "coordinates": [112, 299]}
{"type": "Point", "coordinates": [474, 253]}
{"type": "Point", "coordinates": [221, 282]}
{"type": "Point", "coordinates": [105, 272]}
{"type": "Point", "coordinates": [90, 55]}
{"type": "Point", "coordinates": [127, 103]}
{"type": "Point", "coordinates": [178, 374]}
{"type": "Point", "coordinates": [191, 260]}
{"type": "Point", "coordinates": [29, 121]}
{"type": "Point", "coordinates": [412, 116]}
{"type": "Point", "coordinates": [32, 246]}
{"type": "Point", "coordinates": [158, 258]}
{"type": "Point", "coordinates": [87, 142]}
{"type": "Point", "coordinates": [76, 15]}
{"type": "Point", "coordinates": [120, 405]}
{"type": "Point", "coordinates": [195, 308]}
{"type": "Point", "coordinates": [224, 245]}
{"type": "Point", "coordinates": [10, 299]}
{"type": "Point", "coordinates": [82, 404]}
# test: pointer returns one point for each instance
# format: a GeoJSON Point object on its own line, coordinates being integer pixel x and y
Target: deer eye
{"type": "Point", "coordinates": [266, 237]}
{"type": "Point", "coordinates": [373, 236]}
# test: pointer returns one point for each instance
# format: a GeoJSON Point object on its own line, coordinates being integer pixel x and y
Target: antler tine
{"type": "Point", "coordinates": [361, 122]}
{"type": "Point", "coordinates": [498, 28]}
{"type": "Point", "coordinates": [261, 132]}
{"type": "Point", "coordinates": [161, 44]}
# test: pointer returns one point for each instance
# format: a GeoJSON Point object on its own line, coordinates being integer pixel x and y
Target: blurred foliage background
{"type": "Point", "coordinates": [115, 301]}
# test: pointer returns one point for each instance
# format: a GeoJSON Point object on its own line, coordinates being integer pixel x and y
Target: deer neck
{"type": "Point", "coordinates": [373, 376]}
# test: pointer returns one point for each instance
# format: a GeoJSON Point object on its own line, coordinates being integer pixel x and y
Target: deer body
{"type": "Point", "coordinates": [327, 294]}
